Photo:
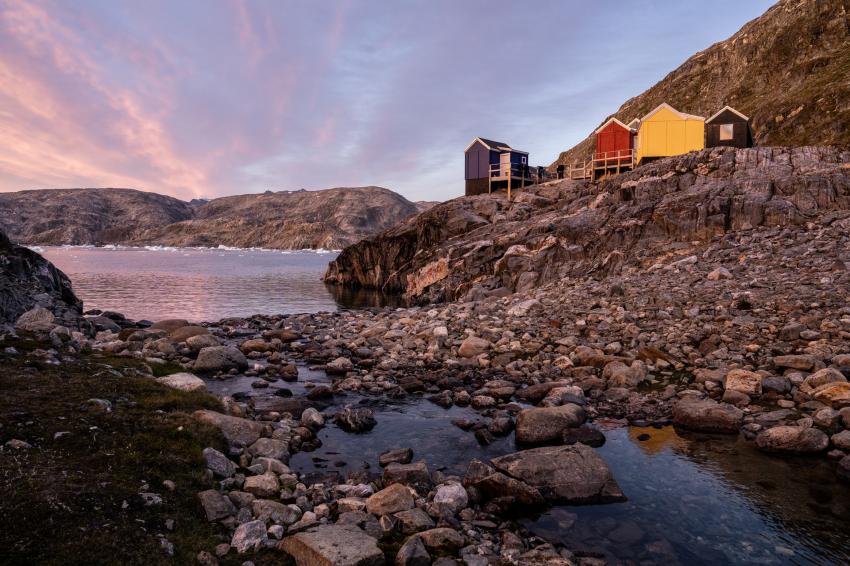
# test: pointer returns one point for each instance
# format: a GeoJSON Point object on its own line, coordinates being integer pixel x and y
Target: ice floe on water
{"type": "Point", "coordinates": [161, 248]}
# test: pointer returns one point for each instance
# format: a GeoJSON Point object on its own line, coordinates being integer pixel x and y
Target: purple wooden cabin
{"type": "Point", "coordinates": [492, 166]}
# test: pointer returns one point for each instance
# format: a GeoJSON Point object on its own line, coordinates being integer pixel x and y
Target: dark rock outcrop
{"type": "Point", "coordinates": [27, 280]}
{"type": "Point", "coordinates": [477, 246]}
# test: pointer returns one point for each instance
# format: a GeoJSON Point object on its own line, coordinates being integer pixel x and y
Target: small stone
{"type": "Point", "coordinates": [264, 485]}
{"type": "Point", "coordinates": [743, 381]}
{"type": "Point", "coordinates": [250, 536]}
{"type": "Point", "coordinates": [413, 553]}
{"type": "Point", "coordinates": [547, 424]}
{"type": "Point", "coordinates": [183, 382]}
{"type": "Point", "coordinates": [473, 347]}
{"type": "Point", "coordinates": [219, 464]}
{"type": "Point", "coordinates": [355, 420]}
{"type": "Point", "coordinates": [216, 506]}
{"type": "Point", "coordinates": [391, 499]}
{"type": "Point", "coordinates": [397, 456]}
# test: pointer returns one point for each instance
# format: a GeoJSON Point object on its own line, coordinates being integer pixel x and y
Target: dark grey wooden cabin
{"type": "Point", "coordinates": [487, 169]}
{"type": "Point", "coordinates": [728, 128]}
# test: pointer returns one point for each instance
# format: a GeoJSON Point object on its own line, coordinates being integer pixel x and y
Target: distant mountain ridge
{"type": "Point", "coordinates": [788, 70]}
{"type": "Point", "coordinates": [330, 218]}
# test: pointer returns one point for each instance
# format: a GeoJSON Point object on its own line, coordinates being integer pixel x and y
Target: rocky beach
{"type": "Point", "coordinates": [705, 294]}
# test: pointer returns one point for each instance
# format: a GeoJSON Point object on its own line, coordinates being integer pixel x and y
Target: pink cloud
{"type": "Point", "coordinates": [37, 94]}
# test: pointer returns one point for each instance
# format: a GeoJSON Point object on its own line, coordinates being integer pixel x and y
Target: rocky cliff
{"type": "Point", "coordinates": [788, 70]}
{"type": "Point", "coordinates": [330, 218]}
{"type": "Point", "coordinates": [474, 246]}
{"type": "Point", "coordinates": [27, 280]}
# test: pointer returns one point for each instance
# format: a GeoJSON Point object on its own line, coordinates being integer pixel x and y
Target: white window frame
{"type": "Point", "coordinates": [727, 132]}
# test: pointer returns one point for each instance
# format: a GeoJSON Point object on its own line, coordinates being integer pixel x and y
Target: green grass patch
{"type": "Point", "coordinates": [75, 499]}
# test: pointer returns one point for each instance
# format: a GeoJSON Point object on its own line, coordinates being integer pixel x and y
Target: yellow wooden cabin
{"type": "Point", "coordinates": [665, 131]}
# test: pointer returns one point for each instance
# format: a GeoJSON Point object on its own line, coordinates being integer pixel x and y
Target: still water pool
{"type": "Point", "coordinates": [692, 499]}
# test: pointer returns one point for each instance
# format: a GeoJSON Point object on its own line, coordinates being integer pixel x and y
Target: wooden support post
{"type": "Point", "coordinates": [509, 181]}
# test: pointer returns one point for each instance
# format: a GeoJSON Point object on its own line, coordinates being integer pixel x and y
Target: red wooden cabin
{"type": "Point", "coordinates": [615, 144]}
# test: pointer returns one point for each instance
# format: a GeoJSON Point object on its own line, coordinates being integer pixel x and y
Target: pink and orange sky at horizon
{"type": "Point", "coordinates": [205, 98]}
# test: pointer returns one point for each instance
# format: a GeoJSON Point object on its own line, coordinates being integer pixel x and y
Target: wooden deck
{"type": "Point", "coordinates": [602, 165]}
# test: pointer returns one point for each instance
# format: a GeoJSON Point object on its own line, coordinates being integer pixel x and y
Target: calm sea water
{"type": "Point", "coordinates": [197, 284]}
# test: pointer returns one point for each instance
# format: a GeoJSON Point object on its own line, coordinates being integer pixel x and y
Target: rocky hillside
{"type": "Point", "coordinates": [85, 216]}
{"type": "Point", "coordinates": [475, 246]}
{"type": "Point", "coordinates": [331, 218]}
{"type": "Point", "coordinates": [27, 280]}
{"type": "Point", "coordinates": [788, 70]}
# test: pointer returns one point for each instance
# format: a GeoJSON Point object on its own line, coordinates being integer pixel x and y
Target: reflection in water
{"type": "Point", "coordinates": [691, 500]}
{"type": "Point", "coordinates": [707, 500]}
{"type": "Point", "coordinates": [359, 298]}
{"type": "Point", "coordinates": [407, 423]}
{"type": "Point", "coordinates": [199, 284]}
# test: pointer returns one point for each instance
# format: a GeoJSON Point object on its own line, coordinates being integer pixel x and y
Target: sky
{"type": "Point", "coordinates": [205, 98]}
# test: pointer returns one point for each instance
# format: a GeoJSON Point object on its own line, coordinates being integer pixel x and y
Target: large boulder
{"type": "Point", "coordinates": [547, 424]}
{"type": "Point", "coordinates": [792, 439]}
{"type": "Point", "coordinates": [563, 474]}
{"type": "Point", "coordinates": [238, 431]}
{"type": "Point", "coordinates": [220, 358]}
{"type": "Point", "coordinates": [707, 416]}
{"type": "Point", "coordinates": [37, 319]}
{"type": "Point", "coordinates": [486, 483]}
{"type": "Point", "coordinates": [333, 545]}
{"type": "Point", "coordinates": [27, 281]}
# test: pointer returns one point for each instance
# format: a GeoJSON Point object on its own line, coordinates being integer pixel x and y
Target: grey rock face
{"type": "Point", "coordinates": [28, 281]}
{"type": "Point", "coordinates": [571, 228]}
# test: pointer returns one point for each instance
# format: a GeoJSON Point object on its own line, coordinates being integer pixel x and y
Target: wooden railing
{"type": "Point", "coordinates": [601, 164]}
{"type": "Point", "coordinates": [516, 170]}
{"type": "Point", "coordinates": [614, 159]}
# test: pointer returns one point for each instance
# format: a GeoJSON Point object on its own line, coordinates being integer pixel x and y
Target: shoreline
{"type": "Point", "coordinates": [39, 248]}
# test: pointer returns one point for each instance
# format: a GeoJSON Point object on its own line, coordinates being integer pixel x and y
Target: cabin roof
{"type": "Point", "coordinates": [634, 123]}
{"type": "Point", "coordinates": [730, 109]}
{"type": "Point", "coordinates": [494, 145]}
{"type": "Point", "coordinates": [664, 105]}
{"type": "Point", "coordinates": [608, 121]}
